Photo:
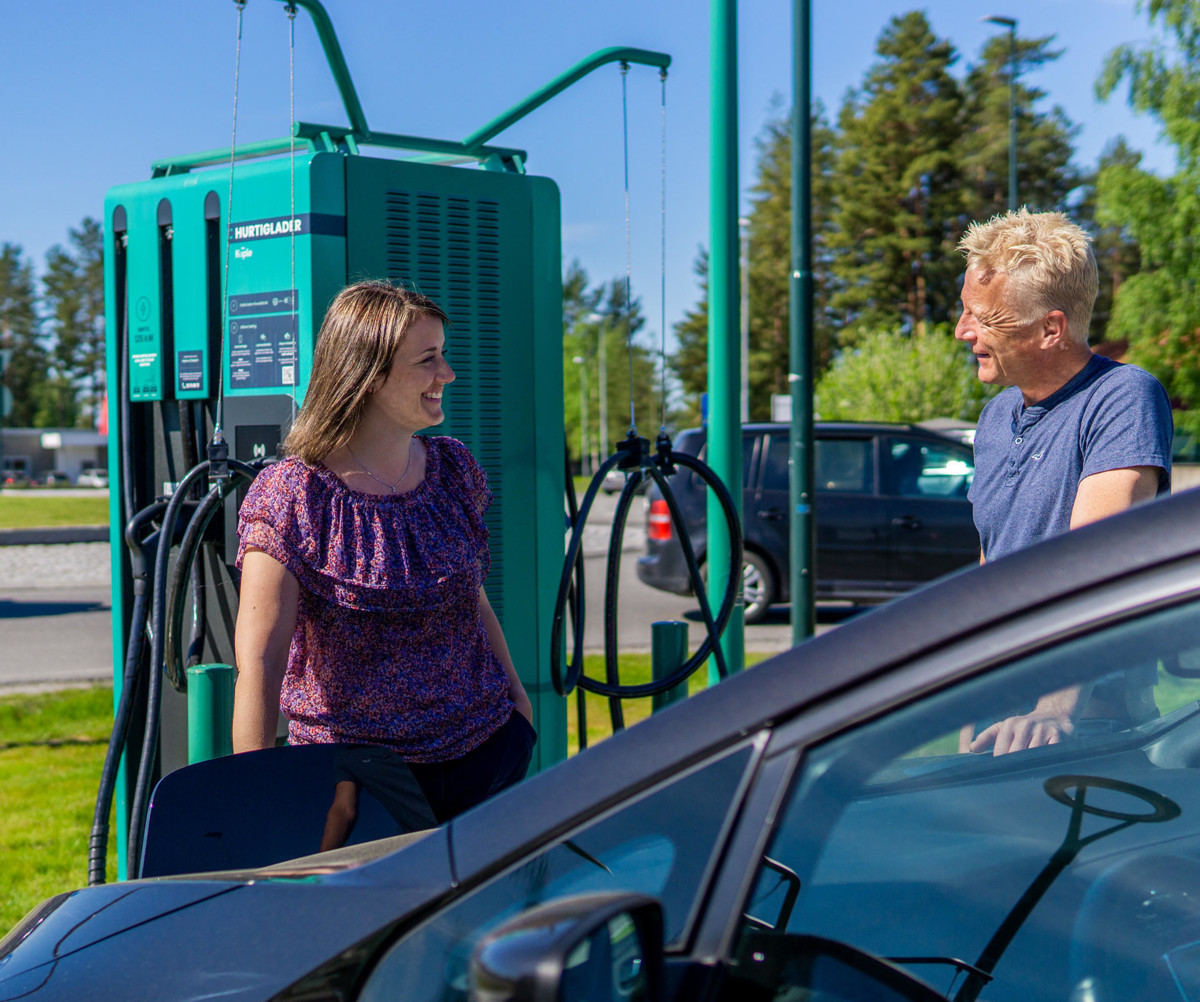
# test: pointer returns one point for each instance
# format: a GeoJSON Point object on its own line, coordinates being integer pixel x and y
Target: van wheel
{"type": "Point", "coordinates": [758, 587]}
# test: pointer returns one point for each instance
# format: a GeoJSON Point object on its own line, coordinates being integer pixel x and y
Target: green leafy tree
{"type": "Point", "coordinates": [889, 376]}
{"type": "Point", "coordinates": [25, 374]}
{"type": "Point", "coordinates": [1117, 252]}
{"type": "Point", "coordinates": [595, 318]}
{"type": "Point", "coordinates": [898, 184]}
{"type": "Point", "coordinates": [1045, 174]}
{"type": "Point", "coordinates": [73, 299]}
{"type": "Point", "coordinates": [1158, 309]}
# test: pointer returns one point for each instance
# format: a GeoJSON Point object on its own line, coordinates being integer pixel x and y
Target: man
{"type": "Point", "coordinates": [1074, 438]}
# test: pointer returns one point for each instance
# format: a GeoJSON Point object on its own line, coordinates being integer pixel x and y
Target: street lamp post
{"type": "Point", "coordinates": [584, 465]}
{"type": "Point", "coordinates": [1011, 25]}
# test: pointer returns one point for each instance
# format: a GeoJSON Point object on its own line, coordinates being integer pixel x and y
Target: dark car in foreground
{"type": "Point", "coordinates": [891, 513]}
{"type": "Point", "coordinates": [805, 829]}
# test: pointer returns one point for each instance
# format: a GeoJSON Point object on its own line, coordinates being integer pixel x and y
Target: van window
{"type": "Point", "coordinates": [915, 468]}
{"type": "Point", "coordinates": [844, 465]}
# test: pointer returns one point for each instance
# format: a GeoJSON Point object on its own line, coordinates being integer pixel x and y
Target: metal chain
{"type": "Point", "coordinates": [628, 254]}
{"type": "Point", "coordinates": [237, 65]}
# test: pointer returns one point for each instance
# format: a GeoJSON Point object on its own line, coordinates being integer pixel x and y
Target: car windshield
{"type": "Point", "coordinates": [1065, 871]}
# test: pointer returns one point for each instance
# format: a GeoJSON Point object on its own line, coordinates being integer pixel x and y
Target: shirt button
{"type": "Point", "coordinates": [1012, 462]}
{"type": "Point", "coordinates": [1018, 440]}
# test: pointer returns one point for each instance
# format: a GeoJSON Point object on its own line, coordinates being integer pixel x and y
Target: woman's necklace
{"type": "Point", "coordinates": [380, 480]}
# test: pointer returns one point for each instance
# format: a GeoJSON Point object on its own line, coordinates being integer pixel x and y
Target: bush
{"type": "Point", "coordinates": [889, 376]}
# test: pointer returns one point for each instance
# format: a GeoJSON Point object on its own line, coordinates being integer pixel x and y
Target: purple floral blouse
{"type": "Point", "coordinates": [389, 647]}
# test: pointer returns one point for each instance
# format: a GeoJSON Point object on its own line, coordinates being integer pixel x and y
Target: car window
{"type": "Point", "coordinates": [923, 469]}
{"type": "Point", "coordinates": [659, 844]}
{"type": "Point", "coordinates": [844, 465]}
{"type": "Point", "coordinates": [748, 441]}
{"type": "Point", "coordinates": [1066, 871]}
{"type": "Point", "coordinates": [775, 464]}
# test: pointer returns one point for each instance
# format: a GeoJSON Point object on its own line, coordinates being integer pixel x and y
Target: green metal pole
{"type": "Point", "coordinates": [724, 340]}
{"type": "Point", "coordinates": [668, 649]}
{"type": "Point", "coordinates": [800, 378]}
{"type": "Point", "coordinates": [210, 711]}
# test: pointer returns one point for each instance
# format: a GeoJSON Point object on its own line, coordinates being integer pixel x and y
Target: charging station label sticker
{"type": "Point", "coordinates": [251, 304]}
{"type": "Point", "coordinates": [262, 351]}
{"type": "Point", "coordinates": [189, 370]}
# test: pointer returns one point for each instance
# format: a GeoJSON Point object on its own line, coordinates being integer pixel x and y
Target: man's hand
{"type": "Point", "coordinates": [1047, 724]}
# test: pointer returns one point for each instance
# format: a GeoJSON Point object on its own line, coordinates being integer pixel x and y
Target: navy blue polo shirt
{"type": "Point", "coordinates": [1029, 460]}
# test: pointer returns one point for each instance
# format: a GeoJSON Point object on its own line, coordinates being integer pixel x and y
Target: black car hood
{"type": "Point", "coordinates": [244, 937]}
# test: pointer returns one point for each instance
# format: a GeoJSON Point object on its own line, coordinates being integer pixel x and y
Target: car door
{"type": "Point", "coordinates": [923, 498]}
{"type": "Point", "coordinates": [852, 540]}
{"type": "Point", "coordinates": [1055, 872]}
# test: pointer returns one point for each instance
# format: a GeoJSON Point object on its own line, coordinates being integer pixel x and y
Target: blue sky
{"type": "Point", "coordinates": [96, 92]}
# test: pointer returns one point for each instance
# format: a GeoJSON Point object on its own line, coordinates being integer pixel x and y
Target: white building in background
{"type": "Point", "coordinates": [37, 451]}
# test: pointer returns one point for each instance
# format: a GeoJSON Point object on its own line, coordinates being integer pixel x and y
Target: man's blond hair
{"type": "Point", "coordinates": [1048, 260]}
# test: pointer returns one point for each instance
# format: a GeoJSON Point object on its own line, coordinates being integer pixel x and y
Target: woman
{"type": "Point", "coordinates": [363, 554]}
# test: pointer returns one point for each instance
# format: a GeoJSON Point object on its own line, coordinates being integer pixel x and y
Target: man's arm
{"type": "Point", "coordinates": [1098, 496]}
{"type": "Point", "coordinates": [1110, 492]}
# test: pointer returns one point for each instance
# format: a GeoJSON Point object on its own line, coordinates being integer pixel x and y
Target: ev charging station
{"type": "Point", "coordinates": [219, 269]}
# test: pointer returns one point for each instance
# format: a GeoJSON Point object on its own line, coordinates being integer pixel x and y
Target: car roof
{"type": "Point", "coordinates": [1153, 534]}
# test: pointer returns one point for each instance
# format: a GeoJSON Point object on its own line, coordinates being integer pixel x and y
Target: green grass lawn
{"type": "Point", "coordinates": [21, 511]}
{"type": "Point", "coordinates": [52, 749]}
{"type": "Point", "coordinates": [635, 669]}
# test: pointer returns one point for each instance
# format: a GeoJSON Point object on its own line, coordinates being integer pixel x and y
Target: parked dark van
{"type": "Point", "coordinates": [891, 513]}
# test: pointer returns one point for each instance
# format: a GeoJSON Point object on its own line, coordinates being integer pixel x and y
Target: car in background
{"type": "Point", "coordinates": [92, 478]}
{"type": "Point", "coordinates": [805, 829]}
{"type": "Point", "coordinates": [891, 513]}
{"type": "Point", "coordinates": [14, 478]}
{"type": "Point", "coordinates": [55, 478]}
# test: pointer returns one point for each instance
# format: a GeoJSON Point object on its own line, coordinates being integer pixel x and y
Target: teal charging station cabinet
{"type": "Point", "coordinates": [218, 271]}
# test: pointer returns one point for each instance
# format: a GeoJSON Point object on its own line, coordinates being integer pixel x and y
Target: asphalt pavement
{"type": "Point", "coordinates": [55, 618]}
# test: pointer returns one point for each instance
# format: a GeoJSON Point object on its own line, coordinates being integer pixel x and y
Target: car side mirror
{"type": "Point", "coordinates": [598, 947]}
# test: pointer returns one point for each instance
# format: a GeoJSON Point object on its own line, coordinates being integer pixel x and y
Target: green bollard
{"type": "Point", "coordinates": [668, 649]}
{"type": "Point", "coordinates": [210, 711]}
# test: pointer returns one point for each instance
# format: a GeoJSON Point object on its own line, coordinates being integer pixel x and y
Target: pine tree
{"type": "Point", "coordinates": [74, 299]}
{"type": "Point", "coordinates": [771, 255]}
{"type": "Point", "coordinates": [899, 190]}
{"type": "Point", "coordinates": [24, 374]}
{"type": "Point", "coordinates": [1045, 175]}
{"type": "Point", "coordinates": [690, 360]}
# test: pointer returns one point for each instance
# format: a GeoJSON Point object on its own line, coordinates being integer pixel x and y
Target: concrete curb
{"type": "Point", "coordinates": [59, 534]}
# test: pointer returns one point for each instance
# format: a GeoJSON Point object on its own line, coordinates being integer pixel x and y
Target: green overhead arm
{"type": "Point", "coordinates": [474, 147]}
{"type": "Point", "coordinates": [337, 64]}
{"type": "Point", "coordinates": [616, 54]}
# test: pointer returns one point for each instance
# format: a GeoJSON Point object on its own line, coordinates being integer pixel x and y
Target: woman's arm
{"type": "Point", "coordinates": [267, 604]}
{"type": "Point", "coordinates": [516, 691]}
